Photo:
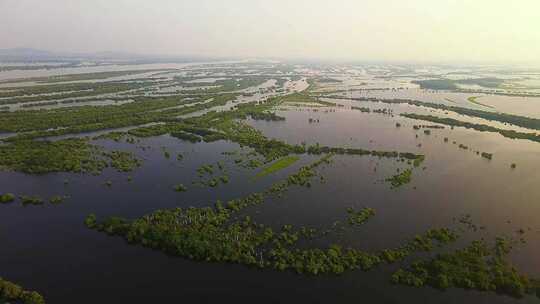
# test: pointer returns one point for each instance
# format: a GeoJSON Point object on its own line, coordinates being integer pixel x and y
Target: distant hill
{"type": "Point", "coordinates": [37, 55]}
{"type": "Point", "coordinates": [27, 54]}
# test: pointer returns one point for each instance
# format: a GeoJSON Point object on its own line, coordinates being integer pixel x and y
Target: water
{"type": "Point", "coordinates": [48, 248]}
{"type": "Point", "coordinates": [9, 75]}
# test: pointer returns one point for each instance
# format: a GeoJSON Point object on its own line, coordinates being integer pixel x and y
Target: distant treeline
{"type": "Point", "coordinates": [520, 121]}
{"type": "Point", "coordinates": [449, 84]}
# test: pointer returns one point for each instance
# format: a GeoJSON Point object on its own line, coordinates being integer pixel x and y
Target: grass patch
{"type": "Point", "coordinates": [278, 165]}
{"type": "Point", "coordinates": [473, 99]}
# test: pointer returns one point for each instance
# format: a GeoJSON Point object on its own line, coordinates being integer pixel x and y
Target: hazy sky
{"type": "Point", "coordinates": [398, 30]}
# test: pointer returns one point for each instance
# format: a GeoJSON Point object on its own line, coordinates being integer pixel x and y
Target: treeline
{"type": "Point", "coordinates": [223, 85]}
{"type": "Point", "coordinates": [225, 125]}
{"type": "Point", "coordinates": [520, 121]}
{"type": "Point", "coordinates": [64, 91]}
{"type": "Point", "coordinates": [93, 118]}
{"type": "Point", "coordinates": [451, 84]}
{"type": "Point", "coordinates": [479, 127]}
{"type": "Point", "coordinates": [477, 267]}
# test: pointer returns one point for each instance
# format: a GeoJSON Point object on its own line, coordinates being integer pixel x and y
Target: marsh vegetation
{"type": "Point", "coordinates": [477, 266]}
{"type": "Point", "coordinates": [400, 179]}
{"type": "Point", "coordinates": [213, 133]}
{"type": "Point", "coordinates": [10, 291]}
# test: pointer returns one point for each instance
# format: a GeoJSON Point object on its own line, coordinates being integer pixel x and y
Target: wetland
{"type": "Point", "coordinates": [268, 182]}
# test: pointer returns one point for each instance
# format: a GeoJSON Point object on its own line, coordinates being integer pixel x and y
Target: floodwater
{"type": "Point", "coordinates": [15, 74]}
{"type": "Point", "coordinates": [48, 248]}
{"type": "Point", "coordinates": [524, 106]}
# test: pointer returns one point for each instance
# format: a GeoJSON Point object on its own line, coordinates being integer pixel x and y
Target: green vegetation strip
{"type": "Point", "coordinates": [31, 200]}
{"type": "Point", "coordinates": [97, 75]}
{"type": "Point", "coordinates": [93, 118]}
{"type": "Point", "coordinates": [473, 99]}
{"type": "Point", "coordinates": [300, 98]}
{"type": "Point", "coordinates": [228, 125]}
{"type": "Point", "coordinates": [520, 121]}
{"type": "Point", "coordinates": [12, 292]}
{"type": "Point", "coordinates": [65, 91]}
{"type": "Point", "coordinates": [278, 165]}
{"type": "Point", "coordinates": [78, 155]}
{"type": "Point", "coordinates": [478, 127]}
{"type": "Point", "coordinates": [450, 84]}
{"type": "Point", "coordinates": [223, 85]}
{"type": "Point", "coordinates": [216, 235]}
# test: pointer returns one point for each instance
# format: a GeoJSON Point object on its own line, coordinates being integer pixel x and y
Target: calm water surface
{"type": "Point", "coordinates": [47, 248]}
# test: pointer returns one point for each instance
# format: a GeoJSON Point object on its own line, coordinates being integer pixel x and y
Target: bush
{"type": "Point", "coordinates": [7, 198]}
{"type": "Point", "coordinates": [180, 188]}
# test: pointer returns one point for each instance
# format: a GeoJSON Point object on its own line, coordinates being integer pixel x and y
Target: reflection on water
{"type": "Point", "coordinates": [455, 182]}
{"type": "Point", "coordinates": [50, 250]}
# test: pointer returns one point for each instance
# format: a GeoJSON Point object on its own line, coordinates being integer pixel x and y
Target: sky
{"type": "Point", "coordinates": [490, 31]}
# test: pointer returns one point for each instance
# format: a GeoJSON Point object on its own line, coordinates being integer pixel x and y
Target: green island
{"type": "Point", "coordinates": [7, 198]}
{"type": "Point", "coordinates": [478, 266]}
{"type": "Point", "coordinates": [400, 179]}
{"type": "Point", "coordinates": [361, 216]}
{"type": "Point", "coordinates": [70, 155]}
{"type": "Point", "coordinates": [180, 188]}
